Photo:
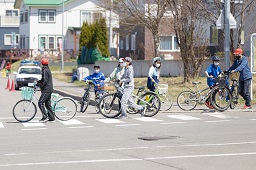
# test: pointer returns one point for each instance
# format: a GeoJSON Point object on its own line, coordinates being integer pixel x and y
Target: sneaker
{"type": "Point", "coordinates": [44, 119]}
{"type": "Point", "coordinates": [52, 121]}
{"type": "Point", "coordinates": [247, 107]}
{"type": "Point", "coordinates": [142, 111]}
{"type": "Point", "coordinates": [125, 117]}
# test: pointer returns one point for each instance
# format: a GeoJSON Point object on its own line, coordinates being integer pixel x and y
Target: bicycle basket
{"type": "Point", "coordinates": [220, 81]}
{"type": "Point", "coordinates": [162, 88]}
{"type": "Point", "coordinates": [27, 93]}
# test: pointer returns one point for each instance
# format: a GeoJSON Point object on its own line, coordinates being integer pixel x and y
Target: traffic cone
{"type": "Point", "coordinates": [8, 84]}
{"type": "Point", "coordinates": [12, 88]}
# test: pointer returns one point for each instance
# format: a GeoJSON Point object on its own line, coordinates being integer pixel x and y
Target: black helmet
{"type": "Point", "coordinates": [215, 58]}
{"type": "Point", "coordinates": [96, 66]}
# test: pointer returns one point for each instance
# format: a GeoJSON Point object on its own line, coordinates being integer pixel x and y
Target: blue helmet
{"type": "Point", "coordinates": [156, 59]}
{"type": "Point", "coordinates": [215, 58]}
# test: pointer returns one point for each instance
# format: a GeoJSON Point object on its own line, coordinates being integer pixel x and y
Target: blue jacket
{"type": "Point", "coordinates": [97, 78]}
{"type": "Point", "coordinates": [243, 68]}
{"type": "Point", "coordinates": [214, 71]}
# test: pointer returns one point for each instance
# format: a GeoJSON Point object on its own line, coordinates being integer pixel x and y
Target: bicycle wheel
{"type": "Point", "coordinates": [85, 102]}
{"type": "Point", "coordinates": [187, 100]}
{"type": "Point", "coordinates": [166, 102]}
{"type": "Point", "coordinates": [65, 108]}
{"type": "Point", "coordinates": [234, 97]}
{"type": "Point", "coordinates": [24, 110]}
{"type": "Point", "coordinates": [220, 98]}
{"type": "Point", "coordinates": [110, 105]}
{"type": "Point", "coordinates": [152, 103]}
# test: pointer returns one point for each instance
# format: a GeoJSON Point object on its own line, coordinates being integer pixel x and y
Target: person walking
{"type": "Point", "coordinates": [127, 80]}
{"type": "Point", "coordinates": [117, 72]}
{"type": "Point", "coordinates": [46, 87]}
{"type": "Point", "coordinates": [241, 65]}
{"type": "Point", "coordinates": [154, 74]}
{"type": "Point", "coordinates": [212, 71]}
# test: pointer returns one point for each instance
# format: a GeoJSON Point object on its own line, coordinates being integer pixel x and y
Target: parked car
{"type": "Point", "coordinates": [26, 75]}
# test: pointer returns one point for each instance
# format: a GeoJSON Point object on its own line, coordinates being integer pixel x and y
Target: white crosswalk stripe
{"type": "Point", "coordinates": [110, 120]}
{"type": "Point", "coordinates": [183, 117]}
{"type": "Point", "coordinates": [72, 122]}
{"type": "Point", "coordinates": [1, 125]}
{"type": "Point", "coordinates": [217, 115]}
{"type": "Point", "coordinates": [33, 124]}
{"type": "Point", "coordinates": [147, 119]}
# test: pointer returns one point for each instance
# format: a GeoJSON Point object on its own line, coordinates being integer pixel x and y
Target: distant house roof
{"type": "Point", "coordinates": [39, 3]}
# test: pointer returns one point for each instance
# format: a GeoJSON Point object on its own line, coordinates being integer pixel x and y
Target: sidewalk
{"type": "Point", "coordinates": [70, 90]}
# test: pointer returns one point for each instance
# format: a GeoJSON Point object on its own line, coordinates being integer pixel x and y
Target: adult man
{"type": "Point", "coordinates": [241, 65]}
{"type": "Point", "coordinates": [46, 86]}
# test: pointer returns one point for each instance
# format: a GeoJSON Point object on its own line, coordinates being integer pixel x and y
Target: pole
{"type": "Point", "coordinates": [62, 54]}
{"type": "Point", "coordinates": [110, 27]}
{"type": "Point", "coordinates": [227, 34]}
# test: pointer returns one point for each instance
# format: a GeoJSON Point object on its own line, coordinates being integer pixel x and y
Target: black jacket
{"type": "Point", "coordinates": [45, 83]}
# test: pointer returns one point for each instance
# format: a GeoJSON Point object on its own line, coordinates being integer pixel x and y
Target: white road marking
{"type": "Point", "coordinates": [216, 121]}
{"type": "Point", "coordinates": [80, 127]}
{"type": "Point", "coordinates": [218, 115]}
{"type": "Point", "coordinates": [127, 160]}
{"type": "Point", "coordinates": [170, 123]}
{"type": "Point", "coordinates": [72, 122]}
{"type": "Point", "coordinates": [1, 125]}
{"type": "Point", "coordinates": [33, 124]}
{"type": "Point", "coordinates": [129, 125]}
{"type": "Point", "coordinates": [35, 129]}
{"type": "Point", "coordinates": [183, 117]}
{"type": "Point", "coordinates": [110, 120]}
{"type": "Point", "coordinates": [252, 119]}
{"type": "Point", "coordinates": [147, 119]}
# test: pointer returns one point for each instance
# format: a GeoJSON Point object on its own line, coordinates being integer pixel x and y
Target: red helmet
{"type": "Point", "coordinates": [44, 61]}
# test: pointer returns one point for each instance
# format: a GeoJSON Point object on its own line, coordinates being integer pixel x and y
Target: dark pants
{"type": "Point", "coordinates": [45, 102]}
{"type": "Point", "coordinates": [244, 91]}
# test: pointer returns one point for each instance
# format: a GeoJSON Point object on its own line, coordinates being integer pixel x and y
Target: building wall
{"type": "Point", "coordinates": [6, 30]}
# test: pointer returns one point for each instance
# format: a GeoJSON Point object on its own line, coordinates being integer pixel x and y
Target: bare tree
{"type": "Point", "coordinates": [133, 13]}
{"type": "Point", "coordinates": [188, 16]}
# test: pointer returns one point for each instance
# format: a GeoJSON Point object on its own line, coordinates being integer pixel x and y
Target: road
{"type": "Point", "coordinates": [170, 140]}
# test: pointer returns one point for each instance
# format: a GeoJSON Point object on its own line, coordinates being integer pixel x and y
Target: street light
{"type": "Point", "coordinates": [62, 46]}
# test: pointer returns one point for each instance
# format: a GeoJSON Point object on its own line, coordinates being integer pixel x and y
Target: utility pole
{"type": "Point", "coordinates": [227, 34]}
{"type": "Point", "coordinates": [110, 27]}
{"type": "Point", "coordinates": [62, 44]}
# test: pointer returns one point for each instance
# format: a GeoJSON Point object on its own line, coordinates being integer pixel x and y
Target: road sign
{"type": "Point", "coordinates": [220, 21]}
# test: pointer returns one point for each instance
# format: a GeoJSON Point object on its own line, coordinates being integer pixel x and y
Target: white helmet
{"type": "Point", "coordinates": [121, 60]}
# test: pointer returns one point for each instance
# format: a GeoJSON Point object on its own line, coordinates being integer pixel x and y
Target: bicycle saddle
{"type": "Point", "coordinates": [195, 83]}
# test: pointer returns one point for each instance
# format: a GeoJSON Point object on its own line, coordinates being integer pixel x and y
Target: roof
{"type": "Point", "coordinates": [40, 2]}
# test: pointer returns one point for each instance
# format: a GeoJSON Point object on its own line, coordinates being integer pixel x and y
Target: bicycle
{"type": "Point", "coordinates": [110, 104]}
{"type": "Point", "coordinates": [84, 103]}
{"type": "Point", "coordinates": [161, 92]}
{"type": "Point", "coordinates": [24, 110]}
{"type": "Point", "coordinates": [188, 100]}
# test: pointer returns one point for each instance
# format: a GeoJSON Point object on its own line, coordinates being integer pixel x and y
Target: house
{"type": "Point", "coordinates": [139, 44]}
{"type": "Point", "coordinates": [43, 21]}
{"type": "Point", "coordinates": [9, 25]}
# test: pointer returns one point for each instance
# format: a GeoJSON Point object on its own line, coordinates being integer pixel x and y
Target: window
{"type": "Point", "coordinates": [121, 44]}
{"type": "Point", "coordinates": [26, 16]}
{"type": "Point", "coordinates": [59, 43]}
{"type": "Point", "coordinates": [11, 39]}
{"type": "Point", "coordinates": [21, 17]}
{"type": "Point", "coordinates": [42, 42]}
{"type": "Point", "coordinates": [51, 43]}
{"type": "Point", "coordinates": [127, 42]}
{"type": "Point", "coordinates": [214, 35]}
{"type": "Point", "coordinates": [166, 43]}
{"type": "Point", "coordinates": [11, 12]}
{"type": "Point", "coordinates": [90, 16]}
{"type": "Point", "coordinates": [133, 41]}
{"type": "Point", "coordinates": [47, 15]}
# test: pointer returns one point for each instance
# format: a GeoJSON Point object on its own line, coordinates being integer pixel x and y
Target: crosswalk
{"type": "Point", "coordinates": [82, 122]}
